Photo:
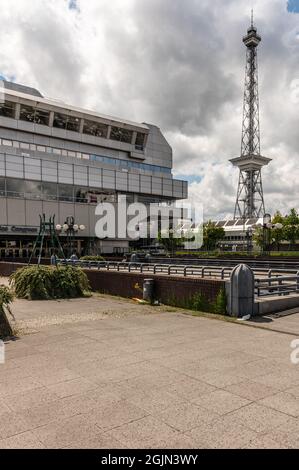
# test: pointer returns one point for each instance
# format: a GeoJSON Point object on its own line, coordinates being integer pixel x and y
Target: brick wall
{"type": "Point", "coordinates": [167, 289]}
{"type": "Point", "coordinates": [173, 290]}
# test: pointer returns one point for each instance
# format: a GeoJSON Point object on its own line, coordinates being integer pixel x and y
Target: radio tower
{"type": "Point", "coordinates": [250, 198]}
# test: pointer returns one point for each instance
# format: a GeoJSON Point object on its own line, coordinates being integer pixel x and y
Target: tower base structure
{"type": "Point", "coordinates": [250, 198]}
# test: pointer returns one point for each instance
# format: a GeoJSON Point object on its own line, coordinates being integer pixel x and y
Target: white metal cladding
{"type": "Point", "coordinates": [14, 166]}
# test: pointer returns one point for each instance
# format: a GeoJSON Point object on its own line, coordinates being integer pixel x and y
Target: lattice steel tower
{"type": "Point", "coordinates": [250, 198]}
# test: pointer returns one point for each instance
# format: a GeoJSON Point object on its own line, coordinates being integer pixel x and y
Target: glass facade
{"type": "Point", "coordinates": [26, 189]}
{"type": "Point", "coordinates": [126, 164]}
{"type": "Point", "coordinates": [37, 116]}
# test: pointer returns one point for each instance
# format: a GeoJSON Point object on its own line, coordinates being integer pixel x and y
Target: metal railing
{"type": "Point", "coordinates": [171, 269]}
{"type": "Point", "coordinates": [277, 285]}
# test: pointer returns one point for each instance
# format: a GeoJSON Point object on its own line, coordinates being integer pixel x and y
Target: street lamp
{"type": "Point", "coordinates": [267, 226]}
{"type": "Point", "coordinates": [249, 233]}
{"type": "Point", "coordinates": [70, 228]}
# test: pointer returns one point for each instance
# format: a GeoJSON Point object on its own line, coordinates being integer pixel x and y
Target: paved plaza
{"type": "Point", "coordinates": [108, 373]}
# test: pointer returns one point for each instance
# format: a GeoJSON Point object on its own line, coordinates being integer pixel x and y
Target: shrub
{"type": "Point", "coordinates": [48, 282]}
{"type": "Point", "coordinates": [92, 258]}
{"type": "Point", "coordinates": [220, 303]}
{"type": "Point", "coordinates": [6, 297]}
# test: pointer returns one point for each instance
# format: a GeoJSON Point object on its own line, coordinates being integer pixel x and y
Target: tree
{"type": "Point", "coordinates": [258, 237]}
{"type": "Point", "coordinates": [169, 241]}
{"type": "Point", "coordinates": [212, 235]}
{"type": "Point", "coordinates": [277, 234]}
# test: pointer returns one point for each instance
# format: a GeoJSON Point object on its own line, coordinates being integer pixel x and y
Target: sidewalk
{"type": "Point", "coordinates": [107, 373]}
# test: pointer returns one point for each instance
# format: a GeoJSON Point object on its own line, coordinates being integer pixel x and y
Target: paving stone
{"type": "Point", "coordinates": [72, 387]}
{"type": "Point", "coordinates": [221, 402]}
{"type": "Point", "coordinates": [30, 399]}
{"type": "Point", "coordinates": [78, 429]}
{"type": "Point", "coordinates": [221, 435]}
{"type": "Point", "coordinates": [148, 433]}
{"type": "Point", "coordinates": [251, 390]}
{"type": "Point", "coordinates": [258, 418]}
{"type": "Point", "coordinates": [283, 402]}
{"type": "Point", "coordinates": [26, 440]}
{"type": "Point", "coordinates": [186, 416]}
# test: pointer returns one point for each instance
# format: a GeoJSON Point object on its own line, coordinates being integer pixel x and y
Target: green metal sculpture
{"type": "Point", "coordinates": [47, 230]}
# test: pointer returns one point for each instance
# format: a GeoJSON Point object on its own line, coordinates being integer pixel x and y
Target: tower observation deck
{"type": "Point", "coordinates": [250, 198]}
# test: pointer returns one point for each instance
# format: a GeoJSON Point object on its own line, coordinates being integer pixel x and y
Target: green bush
{"type": "Point", "coordinates": [220, 303]}
{"type": "Point", "coordinates": [48, 282]}
{"type": "Point", "coordinates": [92, 258]}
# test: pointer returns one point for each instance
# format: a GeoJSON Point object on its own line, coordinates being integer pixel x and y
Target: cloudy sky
{"type": "Point", "coordinates": [178, 64]}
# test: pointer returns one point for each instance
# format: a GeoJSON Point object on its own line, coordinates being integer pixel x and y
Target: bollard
{"type": "Point", "coordinates": [148, 290]}
{"type": "Point", "coordinates": [242, 291]}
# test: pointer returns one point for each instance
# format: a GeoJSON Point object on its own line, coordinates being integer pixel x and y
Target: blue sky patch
{"type": "Point", "coordinates": [73, 5]}
{"type": "Point", "coordinates": [191, 178]}
{"type": "Point", "coordinates": [293, 6]}
{"type": "Point", "coordinates": [7, 78]}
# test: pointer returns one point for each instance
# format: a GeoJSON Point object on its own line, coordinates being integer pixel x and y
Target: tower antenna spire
{"type": "Point", "coordinates": [250, 198]}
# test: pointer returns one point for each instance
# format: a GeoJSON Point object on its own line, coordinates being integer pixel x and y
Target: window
{"type": "Point", "coordinates": [2, 186]}
{"type": "Point", "coordinates": [139, 144]}
{"type": "Point", "coordinates": [95, 128]}
{"type": "Point", "coordinates": [41, 148]}
{"type": "Point", "coordinates": [30, 114]}
{"type": "Point", "coordinates": [65, 192]}
{"type": "Point", "coordinates": [32, 190]}
{"type": "Point", "coordinates": [7, 109]}
{"type": "Point", "coordinates": [42, 117]}
{"type": "Point", "coordinates": [25, 146]}
{"type": "Point", "coordinates": [71, 154]}
{"type": "Point", "coordinates": [81, 194]}
{"type": "Point", "coordinates": [27, 113]}
{"type": "Point", "coordinates": [32, 147]}
{"type": "Point", "coordinates": [60, 121]}
{"type": "Point", "coordinates": [15, 187]}
{"type": "Point", "coordinates": [8, 143]}
{"type": "Point", "coordinates": [121, 135]}
{"type": "Point", "coordinates": [49, 190]}
{"type": "Point", "coordinates": [73, 124]}
{"type": "Point", "coordinates": [57, 151]}
{"type": "Point", "coordinates": [16, 144]}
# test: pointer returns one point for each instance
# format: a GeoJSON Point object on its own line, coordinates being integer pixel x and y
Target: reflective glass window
{"type": "Point", "coordinates": [73, 124]}
{"type": "Point", "coordinates": [27, 113]}
{"type": "Point", "coordinates": [95, 128]}
{"type": "Point", "coordinates": [42, 117]}
{"type": "Point", "coordinates": [60, 121]}
{"type": "Point", "coordinates": [7, 109]}
{"type": "Point", "coordinates": [139, 143]}
{"type": "Point", "coordinates": [121, 135]}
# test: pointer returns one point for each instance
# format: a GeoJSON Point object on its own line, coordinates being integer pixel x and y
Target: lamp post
{"type": "Point", "coordinates": [70, 228]}
{"type": "Point", "coordinates": [249, 233]}
{"type": "Point", "coordinates": [267, 226]}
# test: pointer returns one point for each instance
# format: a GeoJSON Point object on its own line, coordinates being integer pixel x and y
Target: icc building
{"type": "Point", "coordinates": [60, 160]}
